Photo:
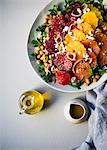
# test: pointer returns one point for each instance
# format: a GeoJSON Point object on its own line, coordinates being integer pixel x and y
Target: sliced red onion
{"type": "Point", "coordinates": [69, 30]}
{"type": "Point", "coordinates": [73, 68]}
{"type": "Point", "coordinates": [77, 15]}
{"type": "Point", "coordinates": [69, 54]}
{"type": "Point", "coordinates": [90, 60]}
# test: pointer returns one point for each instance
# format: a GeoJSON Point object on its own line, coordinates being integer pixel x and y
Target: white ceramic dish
{"type": "Point", "coordinates": [39, 20]}
{"type": "Point", "coordinates": [78, 102]}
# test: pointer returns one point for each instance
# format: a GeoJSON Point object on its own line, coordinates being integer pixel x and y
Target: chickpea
{"type": "Point", "coordinates": [54, 16]}
{"type": "Point", "coordinates": [49, 21]}
{"type": "Point", "coordinates": [44, 59]}
{"type": "Point", "coordinates": [50, 16]}
{"type": "Point", "coordinates": [45, 64]}
{"type": "Point", "coordinates": [41, 47]}
{"type": "Point", "coordinates": [87, 81]}
{"type": "Point", "coordinates": [47, 29]}
{"type": "Point", "coordinates": [85, 84]}
{"type": "Point", "coordinates": [38, 56]}
{"type": "Point", "coordinates": [47, 38]}
{"type": "Point", "coordinates": [50, 61]}
{"type": "Point", "coordinates": [38, 62]}
{"type": "Point", "coordinates": [97, 77]}
{"type": "Point", "coordinates": [37, 48]}
{"type": "Point", "coordinates": [94, 80]}
{"type": "Point", "coordinates": [46, 18]}
{"type": "Point", "coordinates": [59, 13]}
{"type": "Point", "coordinates": [41, 53]}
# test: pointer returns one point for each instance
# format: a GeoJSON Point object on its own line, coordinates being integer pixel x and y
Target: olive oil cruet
{"type": "Point", "coordinates": [32, 102]}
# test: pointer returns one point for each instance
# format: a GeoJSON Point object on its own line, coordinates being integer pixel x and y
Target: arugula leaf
{"type": "Point", "coordinates": [32, 56]}
{"type": "Point", "coordinates": [55, 10]}
{"type": "Point", "coordinates": [105, 17]}
{"type": "Point", "coordinates": [41, 28]}
{"type": "Point", "coordinates": [101, 1]}
{"type": "Point", "coordinates": [37, 42]}
{"type": "Point", "coordinates": [83, 1]}
{"type": "Point", "coordinates": [96, 69]}
{"type": "Point", "coordinates": [69, 1]}
{"type": "Point", "coordinates": [101, 72]}
{"type": "Point", "coordinates": [91, 72]}
{"type": "Point", "coordinates": [48, 77]}
{"type": "Point", "coordinates": [76, 85]}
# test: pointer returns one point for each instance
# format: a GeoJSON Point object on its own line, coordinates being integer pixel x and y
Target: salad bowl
{"type": "Point", "coordinates": [33, 60]}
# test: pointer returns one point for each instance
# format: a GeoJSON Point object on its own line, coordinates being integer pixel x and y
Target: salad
{"type": "Point", "coordinates": [70, 47]}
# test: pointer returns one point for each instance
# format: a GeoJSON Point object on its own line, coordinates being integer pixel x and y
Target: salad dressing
{"type": "Point", "coordinates": [76, 111]}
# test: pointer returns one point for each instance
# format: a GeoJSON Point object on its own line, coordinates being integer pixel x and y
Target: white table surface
{"type": "Point", "coordinates": [47, 130]}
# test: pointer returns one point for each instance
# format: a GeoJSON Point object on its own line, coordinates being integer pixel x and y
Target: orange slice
{"type": "Point", "coordinates": [76, 47]}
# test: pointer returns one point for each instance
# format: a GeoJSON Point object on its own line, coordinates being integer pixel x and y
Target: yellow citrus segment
{"type": "Point", "coordinates": [76, 47]}
{"type": "Point", "coordinates": [91, 18]}
{"type": "Point", "coordinates": [78, 34]}
{"type": "Point", "coordinates": [86, 27]}
{"type": "Point", "coordinates": [96, 11]}
{"type": "Point", "coordinates": [68, 38]}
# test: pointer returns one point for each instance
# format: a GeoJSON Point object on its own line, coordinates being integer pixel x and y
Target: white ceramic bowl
{"type": "Point", "coordinates": [39, 20]}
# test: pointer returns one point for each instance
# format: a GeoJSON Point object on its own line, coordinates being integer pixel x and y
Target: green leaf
{"type": "Point", "coordinates": [105, 17]}
{"type": "Point", "coordinates": [101, 1]}
{"type": "Point", "coordinates": [32, 56]}
{"type": "Point", "coordinates": [41, 28]}
{"type": "Point", "coordinates": [76, 85]}
{"type": "Point", "coordinates": [48, 77]}
{"type": "Point", "coordinates": [69, 1]}
{"type": "Point", "coordinates": [55, 10]}
{"type": "Point", "coordinates": [101, 72]}
{"type": "Point", "coordinates": [91, 72]}
{"type": "Point", "coordinates": [37, 42]}
{"type": "Point", "coordinates": [83, 1]}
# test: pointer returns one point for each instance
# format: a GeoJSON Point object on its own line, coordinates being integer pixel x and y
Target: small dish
{"type": "Point", "coordinates": [76, 111]}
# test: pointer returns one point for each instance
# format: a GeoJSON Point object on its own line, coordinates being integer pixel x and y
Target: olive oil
{"type": "Point", "coordinates": [31, 102]}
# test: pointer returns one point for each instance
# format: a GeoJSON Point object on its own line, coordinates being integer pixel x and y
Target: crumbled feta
{"type": "Point", "coordinates": [79, 20]}
{"type": "Point", "coordinates": [47, 70]}
{"type": "Point", "coordinates": [84, 11]}
{"type": "Point", "coordinates": [52, 68]}
{"type": "Point", "coordinates": [65, 28]}
{"type": "Point", "coordinates": [89, 37]}
{"type": "Point", "coordinates": [73, 79]}
{"type": "Point", "coordinates": [90, 60]}
{"type": "Point", "coordinates": [39, 35]}
{"type": "Point", "coordinates": [56, 45]}
{"type": "Point", "coordinates": [86, 56]}
{"type": "Point", "coordinates": [90, 33]}
{"type": "Point", "coordinates": [70, 33]}
{"type": "Point", "coordinates": [100, 43]}
{"type": "Point", "coordinates": [89, 49]}
{"type": "Point", "coordinates": [88, 9]}
{"type": "Point", "coordinates": [78, 10]}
